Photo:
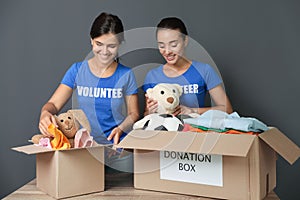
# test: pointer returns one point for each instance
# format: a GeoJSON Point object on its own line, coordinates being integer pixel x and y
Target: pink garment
{"type": "Point", "coordinates": [45, 142]}
{"type": "Point", "coordinates": [83, 139]}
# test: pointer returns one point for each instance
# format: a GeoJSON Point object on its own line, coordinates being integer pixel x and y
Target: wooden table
{"type": "Point", "coordinates": [116, 187]}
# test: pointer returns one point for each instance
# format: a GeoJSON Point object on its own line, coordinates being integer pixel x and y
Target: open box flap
{"type": "Point", "coordinates": [281, 144]}
{"type": "Point", "coordinates": [34, 149]}
{"type": "Point", "coordinates": [208, 143]}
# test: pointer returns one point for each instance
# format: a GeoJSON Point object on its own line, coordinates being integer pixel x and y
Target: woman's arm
{"type": "Point", "coordinates": [132, 116]}
{"type": "Point", "coordinates": [218, 96]}
{"type": "Point", "coordinates": [53, 106]}
{"type": "Point", "coordinates": [220, 99]}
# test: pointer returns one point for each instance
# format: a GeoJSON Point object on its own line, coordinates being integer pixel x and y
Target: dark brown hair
{"type": "Point", "coordinates": [172, 23]}
{"type": "Point", "coordinates": [107, 23]}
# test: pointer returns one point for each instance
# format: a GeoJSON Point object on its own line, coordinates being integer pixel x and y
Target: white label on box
{"type": "Point", "coordinates": [191, 167]}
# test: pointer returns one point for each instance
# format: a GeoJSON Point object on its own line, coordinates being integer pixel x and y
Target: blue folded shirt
{"type": "Point", "coordinates": [220, 120]}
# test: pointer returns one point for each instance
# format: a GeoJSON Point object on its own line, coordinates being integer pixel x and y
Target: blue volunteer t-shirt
{"type": "Point", "coordinates": [101, 99]}
{"type": "Point", "coordinates": [195, 82]}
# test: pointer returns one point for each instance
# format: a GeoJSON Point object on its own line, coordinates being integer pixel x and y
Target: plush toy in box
{"type": "Point", "coordinates": [73, 131]}
{"type": "Point", "coordinates": [167, 95]}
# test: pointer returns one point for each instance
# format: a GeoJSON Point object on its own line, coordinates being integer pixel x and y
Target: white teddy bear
{"type": "Point", "coordinates": [167, 95]}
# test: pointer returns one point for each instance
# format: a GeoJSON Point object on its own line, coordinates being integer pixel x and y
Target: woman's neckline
{"type": "Point", "coordinates": [103, 73]}
{"type": "Point", "coordinates": [175, 73]}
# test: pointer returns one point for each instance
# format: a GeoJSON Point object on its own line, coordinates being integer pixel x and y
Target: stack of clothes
{"type": "Point", "coordinates": [221, 122]}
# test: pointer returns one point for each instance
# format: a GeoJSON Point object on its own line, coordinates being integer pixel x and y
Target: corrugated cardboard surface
{"type": "Point", "coordinates": [32, 149]}
{"type": "Point", "coordinates": [235, 179]}
{"type": "Point", "coordinates": [46, 163]}
{"type": "Point", "coordinates": [220, 144]}
{"type": "Point", "coordinates": [281, 144]}
{"type": "Point", "coordinates": [212, 143]}
{"type": "Point", "coordinates": [249, 162]}
{"type": "Point", "coordinates": [66, 173]}
{"type": "Point", "coordinates": [72, 173]}
{"type": "Point", "coordinates": [243, 177]}
{"type": "Point", "coordinates": [262, 161]}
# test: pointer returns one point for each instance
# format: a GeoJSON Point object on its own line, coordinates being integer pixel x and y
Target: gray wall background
{"type": "Point", "coordinates": [255, 45]}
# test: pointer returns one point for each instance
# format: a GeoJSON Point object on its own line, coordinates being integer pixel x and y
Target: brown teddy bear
{"type": "Point", "coordinates": [69, 123]}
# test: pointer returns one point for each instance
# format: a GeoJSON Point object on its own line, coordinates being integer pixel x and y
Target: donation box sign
{"type": "Point", "coordinates": [191, 167]}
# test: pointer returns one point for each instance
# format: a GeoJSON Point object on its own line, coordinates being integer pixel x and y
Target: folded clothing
{"type": "Point", "coordinates": [217, 119]}
{"type": "Point", "coordinates": [199, 129]}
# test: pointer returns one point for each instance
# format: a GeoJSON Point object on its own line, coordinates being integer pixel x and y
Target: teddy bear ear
{"type": "Point", "coordinates": [81, 118]}
{"type": "Point", "coordinates": [179, 88]}
{"type": "Point", "coordinates": [56, 117]}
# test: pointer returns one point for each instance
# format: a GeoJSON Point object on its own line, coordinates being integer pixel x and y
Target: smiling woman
{"type": "Point", "coordinates": [105, 49]}
{"type": "Point", "coordinates": [195, 77]}
{"type": "Point", "coordinates": [103, 87]}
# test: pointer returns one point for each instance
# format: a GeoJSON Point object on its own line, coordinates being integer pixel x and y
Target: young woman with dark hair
{"type": "Point", "coordinates": [196, 78]}
{"type": "Point", "coordinates": [102, 87]}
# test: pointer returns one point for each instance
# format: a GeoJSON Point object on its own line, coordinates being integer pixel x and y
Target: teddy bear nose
{"type": "Point", "coordinates": [67, 122]}
{"type": "Point", "coordinates": [170, 99]}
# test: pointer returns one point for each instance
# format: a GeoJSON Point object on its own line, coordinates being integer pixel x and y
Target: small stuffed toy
{"type": "Point", "coordinates": [70, 121]}
{"type": "Point", "coordinates": [68, 133]}
{"type": "Point", "coordinates": [167, 95]}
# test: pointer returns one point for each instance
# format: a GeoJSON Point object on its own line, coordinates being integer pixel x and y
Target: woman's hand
{"type": "Point", "coordinates": [53, 106]}
{"type": "Point", "coordinates": [46, 119]}
{"type": "Point", "coordinates": [151, 105]}
{"type": "Point", "coordinates": [115, 135]}
{"type": "Point", "coordinates": [180, 109]}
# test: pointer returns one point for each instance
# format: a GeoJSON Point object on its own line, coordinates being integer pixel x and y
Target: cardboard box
{"type": "Point", "coordinates": [213, 165]}
{"type": "Point", "coordinates": [66, 173]}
